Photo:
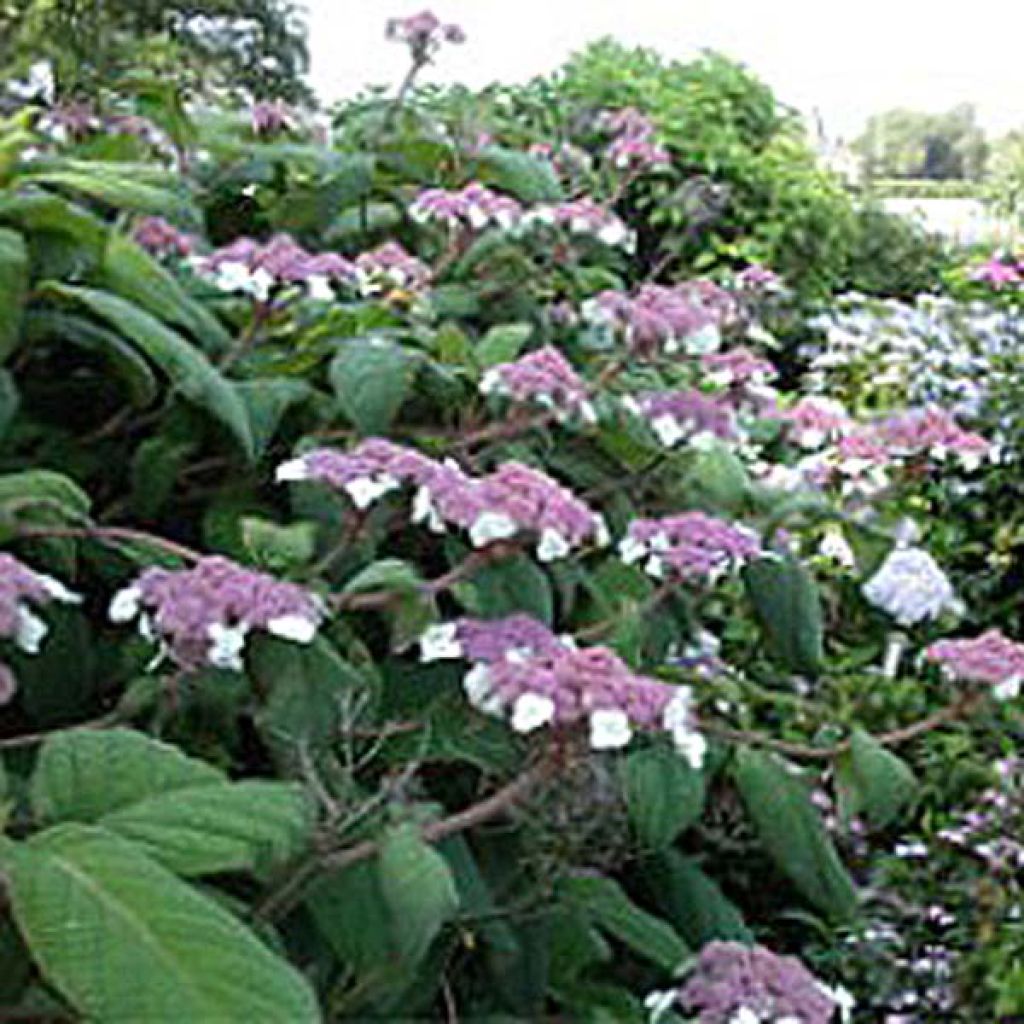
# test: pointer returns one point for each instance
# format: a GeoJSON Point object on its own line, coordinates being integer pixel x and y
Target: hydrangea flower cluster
{"type": "Point", "coordinates": [475, 207]}
{"type": "Point", "coordinates": [999, 271]}
{"type": "Point", "coordinates": [933, 432]}
{"type": "Point", "coordinates": [22, 590]}
{"type": "Point", "coordinates": [814, 421]}
{"type": "Point", "coordinates": [202, 616]}
{"type": "Point", "coordinates": [737, 984]}
{"type": "Point", "coordinates": [544, 377]}
{"type": "Point", "coordinates": [991, 658]}
{"type": "Point", "coordinates": [257, 269]}
{"type": "Point", "coordinates": [688, 415]}
{"type": "Point", "coordinates": [583, 217]}
{"type": "Point", "coordinates": [758, 279]}
{"type": "Point", "coordinates": [424, 34]}
{"type": "Point", "coordinates": [272, 117]}
{"type": "Point", "coordinates": [389, 266]}
{"type": "Point", "coordinates": [737, 367]}
{"type": "Point", "coordinates": [633, 149]}
{"type": "Point", "coordinates": [512, 500]}
{"type": "Point", "coordinates": [911, 587]}
{"type": "Point", "coordinates": [661, 319]}
{"type": "Point", "coordinates": [160, 238]}
{"type": "Point", "coordinates": [522, 670]}
{"type": "Point", "coordinates": [693, 547]}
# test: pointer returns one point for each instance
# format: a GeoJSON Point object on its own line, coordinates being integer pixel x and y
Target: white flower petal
{"type": "Point", "coordinates": [297, 628]}
{"type": "Point", "coordinates": [125, 605]}
{"type": "Point", "coordinates": [440, 642]}
{"type": "Point", "coordinates": [30, 630]}
{"type": "Point", "coordinates": [531, 711]}
{"type": "Point", "coordinates": [552, 546]}
{"type": "Point", "coordinates": [609, 730]}
{"type": "Point", "coordinates": [491, 526]}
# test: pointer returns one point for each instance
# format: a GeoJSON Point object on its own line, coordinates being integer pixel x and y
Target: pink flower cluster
{"type": "Point", "coordinates": [737, 984]}
{"type": "Point", "coordinates": [545, 377]}
{"type": "Point", "coordinates": [21, 591]}
{"type": "Point", "coordinates": [999, 272]}
{"type": "Point", "coordinates": [692, 547]}
{"type": "Point", "coordinates": [677, 416]}
{"type": "Point", "coordinates": [756, 278]}
{"type": "Point", "coordinates": [423, 33]}
{"type": "Point", "coordinates": [583, 217]}
{"type": "Point", "coordinates": [657, 318]}
{"type": "Point", "coordinates": [931, 431]}
{"type": "Point", "coordinates": [390, 266]}
{"type": "Point", "coordinates": [269, 118]}
{"type": "Point", "coordinates": [520, 668]}
{"type": "Point", "coordinates": [202, 615]}
{"type": "Point", "coordinates": [991, 658]}
{"type": "Point", "coordinates": [633, 149]}
{"type": "Point", "coordinates": [256, 268]}
{"type": "Point", "coordinates": [512, 500]}
{"type": "Point", "coordinates": [813, 421]}
{"type": "Point", "coordinates": [160, 238]}
{"type": "Point", "coordinates": [475, 206]}
{"type": "Point", "coordinates": [737, 367]}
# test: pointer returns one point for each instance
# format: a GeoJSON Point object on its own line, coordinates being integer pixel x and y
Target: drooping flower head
{"type": "Point", "coordinates": [693, 547]}
{"type": "Point", "coordinates": [202, 616]}
{"type": "Point", "coordinates": [22, 592]}
{"type": "Point", "coordinates": [424, 34]}
{"type": "Point", "coordinates": [991, 658]}
{"type": "Point", "coordinates": [522, 670]}
{"type": "Point", "coordinates": [737, 984]}
{"type": "Point", "coordinates": [161, 238]}
{"type": "Point", "coordinates": [911, 587]}
{"type": "Point", "coordinates": [544, 377]}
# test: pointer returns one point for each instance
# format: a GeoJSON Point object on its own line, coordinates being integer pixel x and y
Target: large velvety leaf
{"type": "Point", "coordinates": [267, 400]}
{"type": "Point", "coordinates": [664, 795]}
{"type": "Point", "coordinates": [371, 378]}
{"type": "Point", "coordinates": [187, 367]}
{"type": "Point", "coordinates": [13, 286]}
{"type": "Point", "coordinates": [418, 888]}
{"type": "Point", "coordinates": [501, 344]}
{"type": "Point", "coordinates": [615, 913]}
{"type": "Point", "coordinates": [692, 901]}
{"type": "Point", "coordinates": [124, 940]}
{"type": "Point", "coordinates": [131, 272]}
{"type": "Point", "coordinates": [233, 826]}
{"type": "Point", "coordinates": [792, 832]}
{"type": "Point", "coordinates": [788, 607]}
{"type": "Point", "coordinates": [527, 177]}
{"type": "Point", "coordinates": [84, 774]}
{"type": "Point", "coordinates": [42, 490]}
{"type": "Point", "coordinates": [873, 780]}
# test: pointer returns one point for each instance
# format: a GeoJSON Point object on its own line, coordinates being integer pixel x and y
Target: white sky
{"type": "Point", "coordinates": [848, 58]}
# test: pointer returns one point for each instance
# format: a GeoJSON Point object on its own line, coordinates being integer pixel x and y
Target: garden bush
{"type": "Point", "coordinates": [422, 600]}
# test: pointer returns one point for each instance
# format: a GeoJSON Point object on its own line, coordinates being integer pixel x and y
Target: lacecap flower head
{"type": "Point", "coordinates": [544, 377]}
{"type": "Point", "coordinates": [991, 659]}
{"type": "Point", "coordinates": [202, 616]}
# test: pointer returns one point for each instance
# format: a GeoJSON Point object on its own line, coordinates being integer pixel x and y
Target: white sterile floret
{"type": "Point", "coordinates": [232, 277]}
{"type": "Point", "coordinates": [291, 471]}
{"type": "Point", "coordinates": [491, 526]}
{"type": "Point", "coordinates": [843, 998]}
{"type": "Point", "coordinates": [632, 406]}
{"type": "Point", "coordinates": [745, 1015]}
{"type": "Point", "coordinates": [490, 382]}
{"type": "Point", "coordinates": [260, 283]}
{"type": "Point", "coordinates": [632, 550]}
{"type": "Point", "coordinates": [320, 289]}
{"type": "Point", "coordinates": [477, 685]}
{"type": "Point", "coordinates": [705, 341]}
{"type": "Point", "coordinates": [911, 587]}
{"type": "Point", "coordinates": [424, 511]}
{"type": "Point", "coordinates": [835, 547]}
{"type": "Point", "coordinates": [297, 628]}
{"type": "Point", "coordinates": [365, 490]}
{"type": "Point", "coordinates": [609, 730]}
{"type": "Point", "coordinates": [704, 441]}
{"type": "Point", "coordinates": [1007, 689]}
{"type": "Point", "coordinates": [57, 590]}
{"type": "Point", "coordinates": [588, 413]}
{"type": "Point", "coordinates": [552, 546]}
{"type": "Point", "coordinates": [226, 645]}
{"type": "Point", "coordinates": [668, 430]}
{"type": "Point", "coordinates": [440, 641]}
{"type": "Point", "coordinates": [125, 605]}
{"type": "Point", "coordinates": [658, 1003]}
{"type": "Point", "coordinates": [30, 630]}
{"type": "Point", "coordinates": [655, 567]}
{"type": "Point", "coordinates": [531, 711]}
{"type": "Point", "coordinates": [602, 535]}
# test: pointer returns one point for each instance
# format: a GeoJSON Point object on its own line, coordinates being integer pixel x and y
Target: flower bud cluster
{"type": "Point", "coordinates": [693, 547]}
{"type": "Point", "coordinates": [424, 34]}
{"type": "Point", "coordinates": [522, 670]}
{"type": "Point", "coordinates": [633, 149]}
{"type": "Point", "coordinates": [202, 616]}
{"type": "Point", "coordinates": [544, 377]}
{"type": "Point", "coordinates": [160, 238]}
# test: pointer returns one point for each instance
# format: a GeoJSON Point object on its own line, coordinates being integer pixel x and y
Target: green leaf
{"type": "Point", "coordinates": [873, 780]}
{"type": "Point", "coordinates": [514, 585]}
{"type": "Point", "coordinates": [792, 832]}
{"type": "Point", "coordinates": [719, 482]}
{"type": "Point", "coordinates": [527, 177]}
{"type": "Point", "coordinates": [418, 888]}
{"type": "Point", "coordinates": [604, 901]}
{"type": "Point", "coordinates": [266, 401]}
{"type": "Point", "coordinates": [501, 344]}
{"type": "Point", "coordinates": [36, 494]}
{"type": "Point", "coordinates": [13, 288]}
{"type": "Point", "coordinates": [788, 608]}
{"type": "Point", "coordinates": [692, 901]}
{"type": "Point", "coordinates": [123, 940]}
{"type": "Point", "coordinates": [664, 795]}
{"type": "Point", "coordinates": [232, 826]}
{"type": "Point", "coordinates": [39, 214]}
{"type": "Point", "coordinates": [278, 547]}
{"type": "Point", "coordinates": [84, 774]}
{"type": "Point", "coordinates": [131, 272]}
{"type": "Point", "coordinates": [186, 366]}
{"type": "Point", "coordinates": [387, 574]}
{"type": "Point", "coordinates": [371, 378]}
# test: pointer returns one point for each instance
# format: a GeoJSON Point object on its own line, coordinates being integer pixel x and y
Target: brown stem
{"type": "Point", "coordinates": [32, 739]}
{"type": "Point", "coordinates": [960, 708]}
{"type": "Point", "coordinates": [598, 629]}
{"type": "Point", "coordinates": [114, 534]}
